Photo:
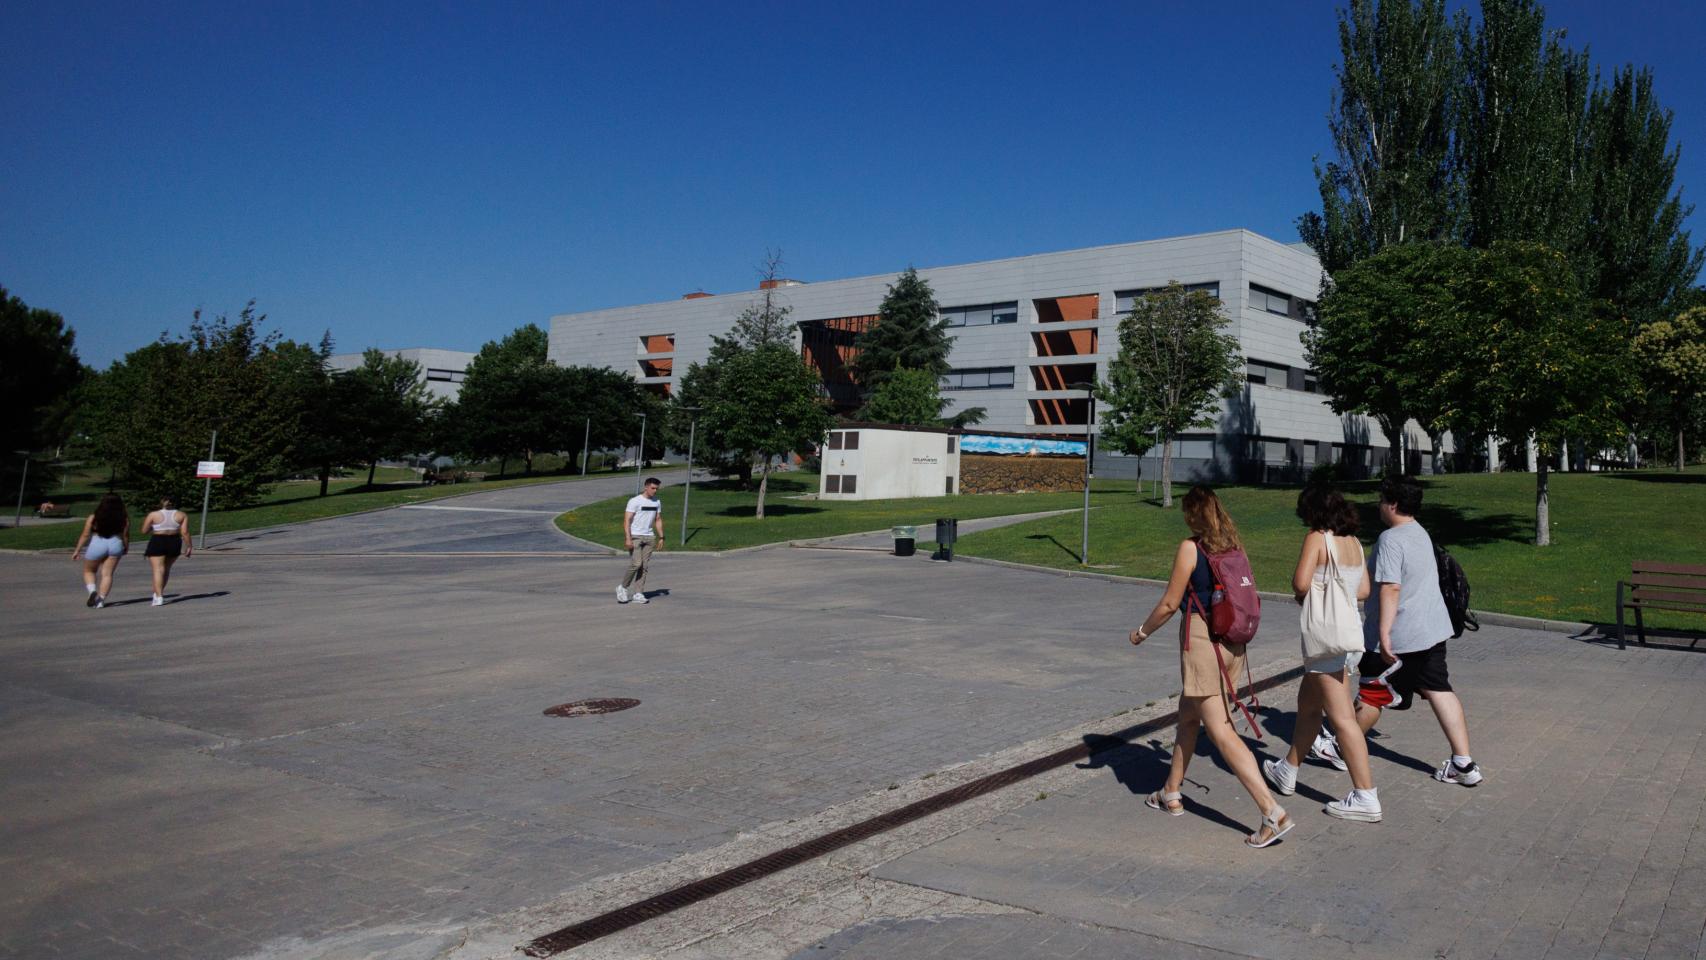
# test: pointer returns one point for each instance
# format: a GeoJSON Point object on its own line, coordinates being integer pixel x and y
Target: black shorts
{"type": "Point", "coordinates": [1421, 670]}
{"type": "Point", "coordinates": [164, 545]}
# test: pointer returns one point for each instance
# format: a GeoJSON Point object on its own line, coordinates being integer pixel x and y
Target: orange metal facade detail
{"type": "Point", "coordinates": [1065, 343]}
{"type": "Point", "coordinates": [1087, 306]}
{"type": "Point", "coordinates": [658, 343]}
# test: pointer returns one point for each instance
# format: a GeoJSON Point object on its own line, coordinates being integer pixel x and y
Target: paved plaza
{"type": "Point", "coordinates": [340, 750]}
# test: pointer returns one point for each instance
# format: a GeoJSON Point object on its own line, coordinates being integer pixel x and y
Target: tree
{"type": "Point", "coordinates": [766, 320]}
{"type": "Point", "coordinates": [909, 334]}
{"type": "Point", "coordinates": [905, 396]}
{"type": "Point", "coordinates": [1535, 358]}
{"type": "Point", "coordinates": [1173, 364]}
{"type": "Point", "coordinates": [499, 413]}
{"type": "Point", "coordinates": [152, 412]}
{"type": "Point", "coordinates": [1373, 343]}
{"type": "Point", "coordinates": [384, 406]}
{"type": "Point", "coordinates": [39, 375]}
{"type": "Point", "coordinates": [1391, 128]}
{"type": "Point", "coordinates": [770, 402]}
{"type": "Point", "coordinates": [1673, 356]}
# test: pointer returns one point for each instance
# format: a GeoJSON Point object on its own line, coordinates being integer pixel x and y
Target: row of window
{"type": "Point", "coordinates": [1280, 375]}
{"type": "Point", "coordinates": [841, 483]}
{"type": "Point", "coordinates": [1279, 450]}
{"type": "Point", "coordinates": [442, 375]}
{"type": "Point", "coordinates": [844, 440]}
{"type": "Point", "coordinates": [982, 314]}
{"type": "Point", "coordinates": [1283, 304]}
{"type": "Point", "coordinates": [978, 378]}
{"type": "Point", "coordinates": [1124, 300]}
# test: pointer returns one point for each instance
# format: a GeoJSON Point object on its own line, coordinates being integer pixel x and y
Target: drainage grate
{"type": "Point", "coordinates": [586, 708]}
{"type": "Point", "coordinates": [688, 894]}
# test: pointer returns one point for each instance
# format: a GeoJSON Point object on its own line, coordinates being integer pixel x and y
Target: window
{"type": "Point", "coordinates": [978, 378]}
{"type": "Point", "coordinates": [1124, 300]}
{"type": "Point", "coordinates": [1193, 449]}
{"type": "Point", "coordinates": [849, 484]}
{"type": "Point", "coordinates": [980, 315]}
{"type": "Point", "coordinates": [950, 484]}
{"type": "Point", "coordinates": [1311, 383]}
{"type": "Point", "coordinates": [1272, 374]}
{"type": "Point", "coordinates": [951, 448]}
{"type": "Point", "coordinates": [835, 441]}
{"type": "Point", "coordinates": [1265, 298]}
{"type": "Point", "coordinates": [832, 483]}
{"type": "Point", "coordinates": [442, 375]}
{"type": "Point", "coordinates": [852, 441]}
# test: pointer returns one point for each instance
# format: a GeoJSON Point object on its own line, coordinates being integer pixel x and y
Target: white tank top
{"type": "Point", "coordinates": [1352, 572]}
{"type": "Point", "coordinates": [168, 522]}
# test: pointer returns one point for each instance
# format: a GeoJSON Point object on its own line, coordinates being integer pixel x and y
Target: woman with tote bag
{"type": "Point", "coordinates": [1329, 580]}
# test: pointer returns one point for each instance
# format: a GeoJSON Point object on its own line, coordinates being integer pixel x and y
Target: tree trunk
{"type": "Point", "coordinates": [325, 477]}
{"type": "Point", "coordinates": [503, 464]}
{"type": "Point", "coordinates": [1167, 472]}
{"type": "Point", "coordinates": [1394, 440]}
{"type": "Point", "coordinates": [763, 484]}
{"type": "Point", "coordinates": [1542, 506]}
{"type": "Point", "coordinates": [372, 466]}
{"type": "Point", "coordinates": [1681, 461]}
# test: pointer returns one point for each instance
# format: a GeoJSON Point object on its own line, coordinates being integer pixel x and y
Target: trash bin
{"type": "Point", "coordinates": [947, 531]}
{"type": "Point", "coordinates": [905, 540]}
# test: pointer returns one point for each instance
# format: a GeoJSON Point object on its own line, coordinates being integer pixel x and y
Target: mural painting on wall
{"type": "Point", "coordinates": [997, 464]}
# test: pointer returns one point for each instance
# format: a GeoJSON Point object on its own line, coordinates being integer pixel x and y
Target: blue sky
{"type": "Point", "coordinates": [437, 174]}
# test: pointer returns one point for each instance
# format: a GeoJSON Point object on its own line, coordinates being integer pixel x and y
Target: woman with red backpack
{"type": "Point", "coordinates": [1209, 663]}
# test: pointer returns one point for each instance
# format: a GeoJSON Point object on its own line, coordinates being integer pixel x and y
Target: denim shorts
{"type": "Point", "coordinates": [100, 548]}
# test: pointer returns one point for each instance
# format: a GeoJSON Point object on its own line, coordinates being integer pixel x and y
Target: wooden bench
{"type": "Point", "coordinates": [1659, 586]}
{"type": "Point", "coordinates": [48, 511]}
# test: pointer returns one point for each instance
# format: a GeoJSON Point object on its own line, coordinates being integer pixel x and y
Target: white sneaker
{"type": "Point", "coordinates": [1281, 775]}
{"type": "Point", "coordinates": [100, 602]}
{"type": "Point", "coordinates": [639, 596]}
{"type": "Point", "coordinates": [1350, 808]}
{"type": "Point", "coordinates": [158, 600]}
{"type": "Point", "coordinates": [1326, 748]}
{"type": "Point", "coordinates": [1450, 772]}
{"type": "Point", "coordinates": [621, 594]}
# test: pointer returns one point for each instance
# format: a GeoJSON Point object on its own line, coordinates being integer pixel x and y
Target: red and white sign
{"type": "Point", "coordinates": [210, 469]}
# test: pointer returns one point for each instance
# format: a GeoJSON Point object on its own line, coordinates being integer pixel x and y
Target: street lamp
{"type": "Point", "coordinates": [18, 518]}
{"type": "Point", "coordinates": [586, 449]}
{"type": "Point", "coordinates": [640, 454]}
{"type": "Point", "coordinates": [692, 428]}
{"type": "Point", "coordinates": [1089, 457]}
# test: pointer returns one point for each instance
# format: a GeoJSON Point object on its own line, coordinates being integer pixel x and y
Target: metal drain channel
{"type": "Point", "coordinates": [687, 894]}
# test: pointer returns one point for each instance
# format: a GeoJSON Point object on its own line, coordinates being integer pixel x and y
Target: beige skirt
{"type": "Point", "coordinates": [1198, 668]}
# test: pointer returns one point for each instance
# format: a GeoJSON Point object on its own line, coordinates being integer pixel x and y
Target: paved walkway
{"type": "Point", "coordinates": [346, 756]}
{"type": "Point", "coordinates": [510, 520]}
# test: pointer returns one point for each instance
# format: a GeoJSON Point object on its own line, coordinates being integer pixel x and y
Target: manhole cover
{"type": "Point", "coordinates": [586, 708]}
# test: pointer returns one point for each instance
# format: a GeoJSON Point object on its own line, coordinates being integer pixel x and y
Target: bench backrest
{"type": "Point", "coordinates": [1683, 584]}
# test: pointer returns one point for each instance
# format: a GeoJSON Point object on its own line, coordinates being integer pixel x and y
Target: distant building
{"type": "Point", "coordinates": [1026, 329]}
{"type": "Point", "coordinates": [442, 369]}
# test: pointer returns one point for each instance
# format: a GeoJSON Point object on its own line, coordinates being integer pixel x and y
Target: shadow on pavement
{"type": "Point", "coordinates": [185, 598]}
{"type": "Point", "coordinates": [1142, 769]}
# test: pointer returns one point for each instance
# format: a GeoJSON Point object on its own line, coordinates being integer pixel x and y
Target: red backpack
{"type": "Point", "coordinates": [1234, 613]}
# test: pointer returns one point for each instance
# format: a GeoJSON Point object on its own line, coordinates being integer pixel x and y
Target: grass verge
{"type": "Point", "coordinates": [723, 516]}
{"type": "Point", "coordinates": [1600, 522]}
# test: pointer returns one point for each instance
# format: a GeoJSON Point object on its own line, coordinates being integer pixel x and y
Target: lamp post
{"type": "Point", "coordinates": [586, 451]}
{"type": "Point", "coordinates": [1089, 456]}
{"type": "Point", "coordinates": [640, 454]}
{"type": "Point", "coordinates": [692, 429]}
{"type": "Point", "coordinates": [18, 518]}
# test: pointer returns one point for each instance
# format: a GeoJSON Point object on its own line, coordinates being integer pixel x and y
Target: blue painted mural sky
{"type": "Point", "coordinates": [432, 174]}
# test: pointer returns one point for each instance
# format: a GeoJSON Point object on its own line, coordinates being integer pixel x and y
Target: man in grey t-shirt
{"type": "Point", "coordinates": [1406, 621]}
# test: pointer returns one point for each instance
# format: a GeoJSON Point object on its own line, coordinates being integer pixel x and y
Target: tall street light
{"type": "Point", "coordinates": [640, 454]}
{"type": "Point", "coordinates": [1089, 458]}
{"type": "Point", "coordinates": [692, 428]}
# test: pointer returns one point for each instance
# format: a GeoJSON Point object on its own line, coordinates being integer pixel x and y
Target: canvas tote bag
{"type": "Point", "coordinates": [1330, 622]}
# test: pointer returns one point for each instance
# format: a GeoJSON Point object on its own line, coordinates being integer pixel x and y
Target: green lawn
{"type": "Point", "coordinates": [723, 516]}
{"type": "Point", "coordinates": [1600, 522]}
{"type": "Point", "coordinates": [290, 502]}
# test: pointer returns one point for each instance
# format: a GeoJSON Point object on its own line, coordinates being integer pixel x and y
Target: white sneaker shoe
{"type": "Point", "coordinates": [158, 601]}
{"type": "Point", "coordinates": [621, 594]}
{"type": "Point", "coordinates": [1350, 808]}
{"type": "Point", "coordinates": [1281, 775]}
{"type": "Point", "coordinates": [100, 602]}
{"type": "Point", "coordinates": [1326, 748]}
{"type": "Point", "coordinates": [638, 596]}
{"type": "Point", "coordinates": [1450, 772]}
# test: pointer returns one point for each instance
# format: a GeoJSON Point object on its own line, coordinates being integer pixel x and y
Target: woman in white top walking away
{"type": "Point", "coordinates": [1331, 560]}
{"type": "Point", "coordinates": [166, 542]}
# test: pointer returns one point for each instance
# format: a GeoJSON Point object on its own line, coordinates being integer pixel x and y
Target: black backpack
{"type": "Point", "coordinates": [1454, 586]}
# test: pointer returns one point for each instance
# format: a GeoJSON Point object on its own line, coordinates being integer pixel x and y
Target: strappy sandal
{"type": "Point", "coordinates": [1170, 802]}
{"type": "Point", "coordinates": [1276, 823]}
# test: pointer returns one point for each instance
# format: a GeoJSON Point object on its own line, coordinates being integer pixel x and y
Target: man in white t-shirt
{"type": "Point", "coordinates": [642, 533]}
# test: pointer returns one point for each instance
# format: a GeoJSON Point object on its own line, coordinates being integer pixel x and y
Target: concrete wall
{"type": "Point", "coordinates": [442, 369]}
{"type": "Point", "coordinates": [1272, 413]}
{"type": "Point", "coordinates": [889, 464]}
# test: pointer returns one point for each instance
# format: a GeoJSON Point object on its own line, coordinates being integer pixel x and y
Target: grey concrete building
{"type": "Point", "coordinates": [443, 369]}
{"type": "Point", "coordinates": [1025, 328]}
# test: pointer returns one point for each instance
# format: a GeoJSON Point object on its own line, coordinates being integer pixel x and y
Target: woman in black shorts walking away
{"type": "Point", "coordinates": [1205, 701]}
{"type": "Point", "coordinates": [166, 542]}
{"type": "Point", "coordinates": [104, 541]}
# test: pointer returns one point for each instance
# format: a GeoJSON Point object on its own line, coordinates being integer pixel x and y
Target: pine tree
{"type": "Point", "coordinates": [909, 334]}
